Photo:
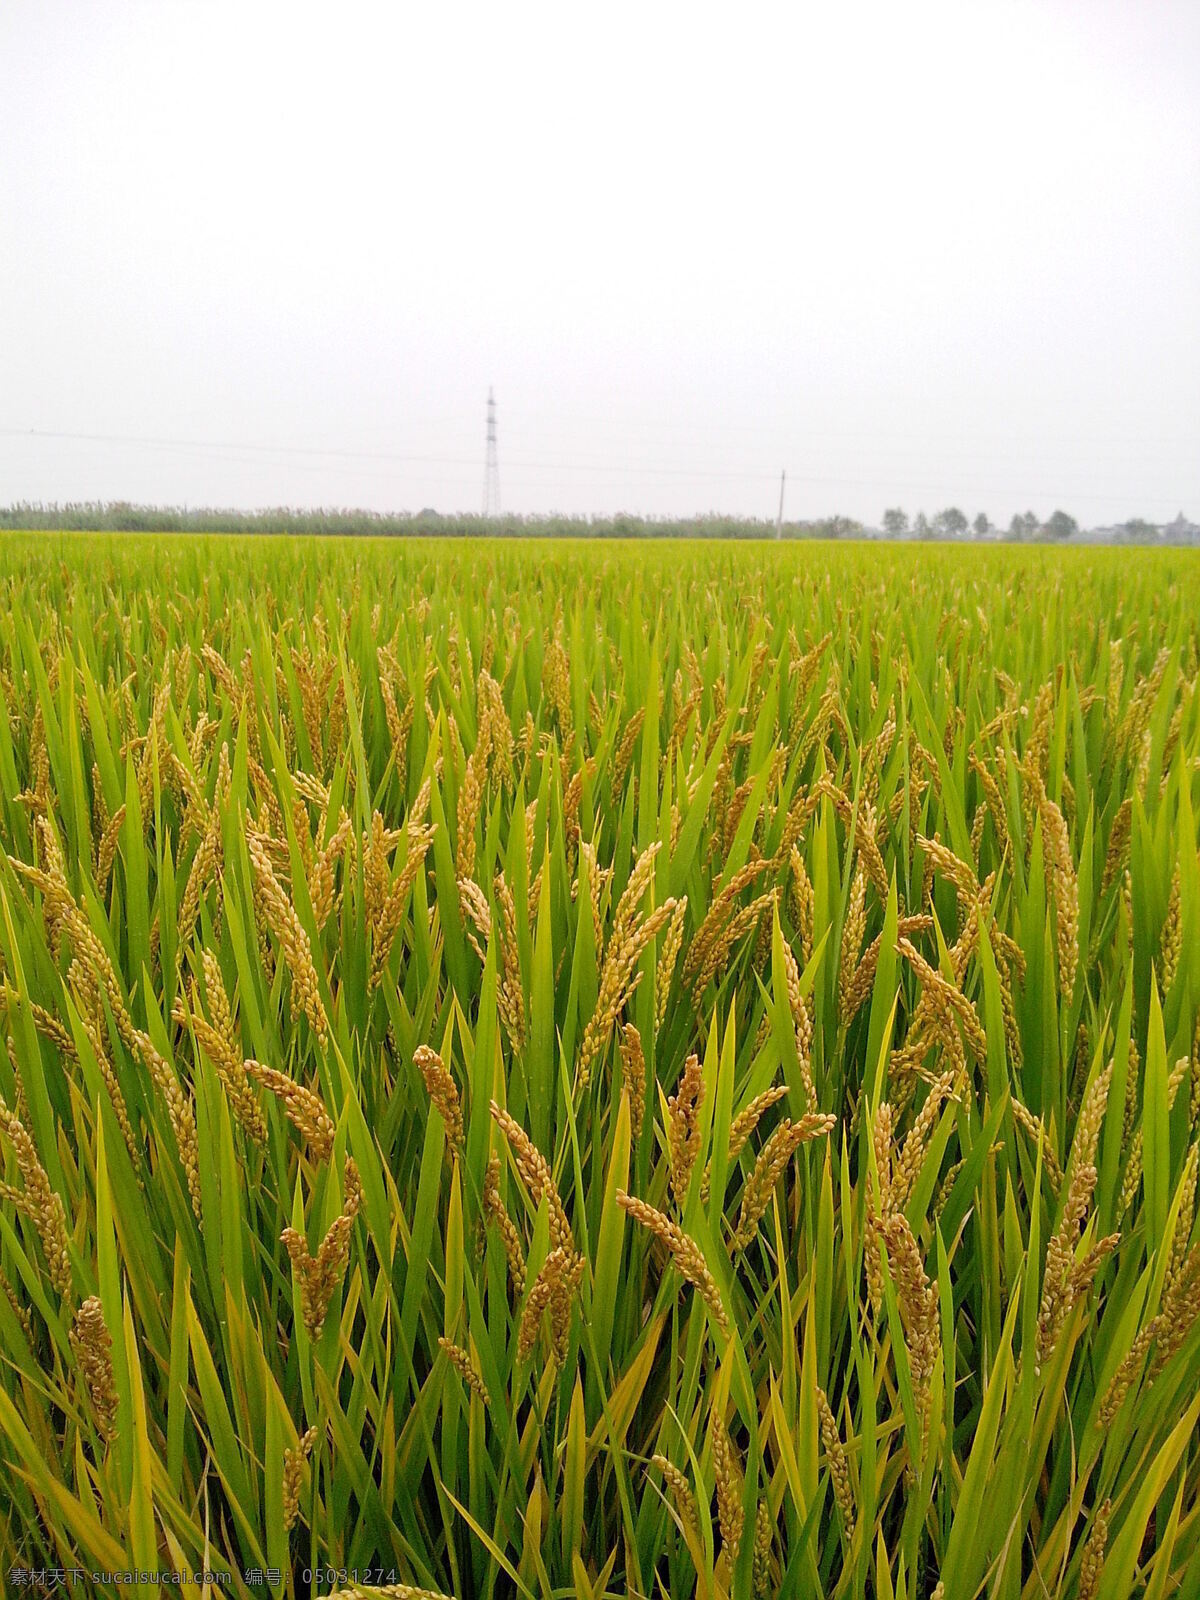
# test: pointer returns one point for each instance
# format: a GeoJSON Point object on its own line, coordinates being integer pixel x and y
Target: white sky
{"type": "Point", "coordinates": [915, 253]}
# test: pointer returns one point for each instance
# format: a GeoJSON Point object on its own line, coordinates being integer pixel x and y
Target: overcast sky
{"type": "Point", "coordinates": [914, 253]}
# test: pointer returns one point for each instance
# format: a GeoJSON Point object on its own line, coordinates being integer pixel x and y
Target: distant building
{"type": "Point", "coordinates": [1181, 531]}
{"type": "Point", "coordinates": [1177, 532]}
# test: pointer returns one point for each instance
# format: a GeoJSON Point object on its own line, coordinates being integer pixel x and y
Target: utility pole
{"type": "Point", "coordinates": [779, 517]}
{"type": "Point", "coordinates": [491, 466]}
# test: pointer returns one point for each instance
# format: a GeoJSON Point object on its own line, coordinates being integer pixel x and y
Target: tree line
{"type": "Point", "coordinates": [953, 524]}
{"type": "Point", "coordinates": [121, 516]}
{"type": "Point", "coordinates": [125, 517]}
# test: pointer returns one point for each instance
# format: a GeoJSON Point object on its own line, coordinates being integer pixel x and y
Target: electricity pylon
{"type": "Point", "coordinates": [491, 469]}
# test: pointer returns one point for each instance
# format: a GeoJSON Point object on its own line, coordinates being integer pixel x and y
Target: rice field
{"type": "Point", "coordinates": [600, 1070]}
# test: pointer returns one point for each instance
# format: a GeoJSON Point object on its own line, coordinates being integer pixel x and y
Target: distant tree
{"type": "Point", "coordinates": [839, 527]}
{"type": "Point", "coordinates": [982, 525]}
{"type": "Point", "coordinates": [1060, 526]}
{"type": "Point", "coordinates": [895, 523]}
{"type": "Point", "coordinates": [1138, 529]}
{"type": "Point", "coordinates": [921, 525]}
{"type": "Point", "coordinates": [950, 523]}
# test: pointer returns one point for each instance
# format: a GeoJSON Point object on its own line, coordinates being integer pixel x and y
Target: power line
{"type": "Point", "coordinates": [630, 472]}
{"type": "Point", "coordinates": [385, 456]}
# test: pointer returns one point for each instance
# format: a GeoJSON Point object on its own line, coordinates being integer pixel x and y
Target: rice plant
{"type": "Point", "coordinates": [600, 1070]}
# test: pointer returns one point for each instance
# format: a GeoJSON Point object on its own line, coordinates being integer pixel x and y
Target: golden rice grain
{"type": "Point", "coordinates": [731, 1515]}
{"type": "Point", "coordinates": [318, 1276]}
{"type": "Point", "coordinates": [91, 1345]}
{"type": "Point", "coordinates": [462, 1364]}
{"type": "Point", "coordinates": [681, 1492]}
{"type": "Point", "coordinates": [537, 1177]}
{"type": "Point", "coordinates": [295, 1460]}
{"type": "Point", "coordinates": [768, 1168]}
{"type": "Point", "coordinates": [304, 1109]}
{"type": "Point", "coordinates": [685, 1252]}
{"type": "Point", "coordinates": [633, 1068]}
{"type": "Point", "coordinates": [761, 1569]}
{"type": "Point", "coordinates": [918, 1299]}
{"type": "Point", "coordinates": [1091, 1565]}
{"type": "Point", "coordinates": [282, 918]}
{"type": "Point", "coordinates": [442, 1090]}
{"type": "Point", "coordinates": [45, 1207]}
{"type": "Point", "coordinates": [839, 1471]}
{"type": "Point", "coordinates": [511, 1239]}
{"type": "Point", "coordinates": [683, 1127]}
